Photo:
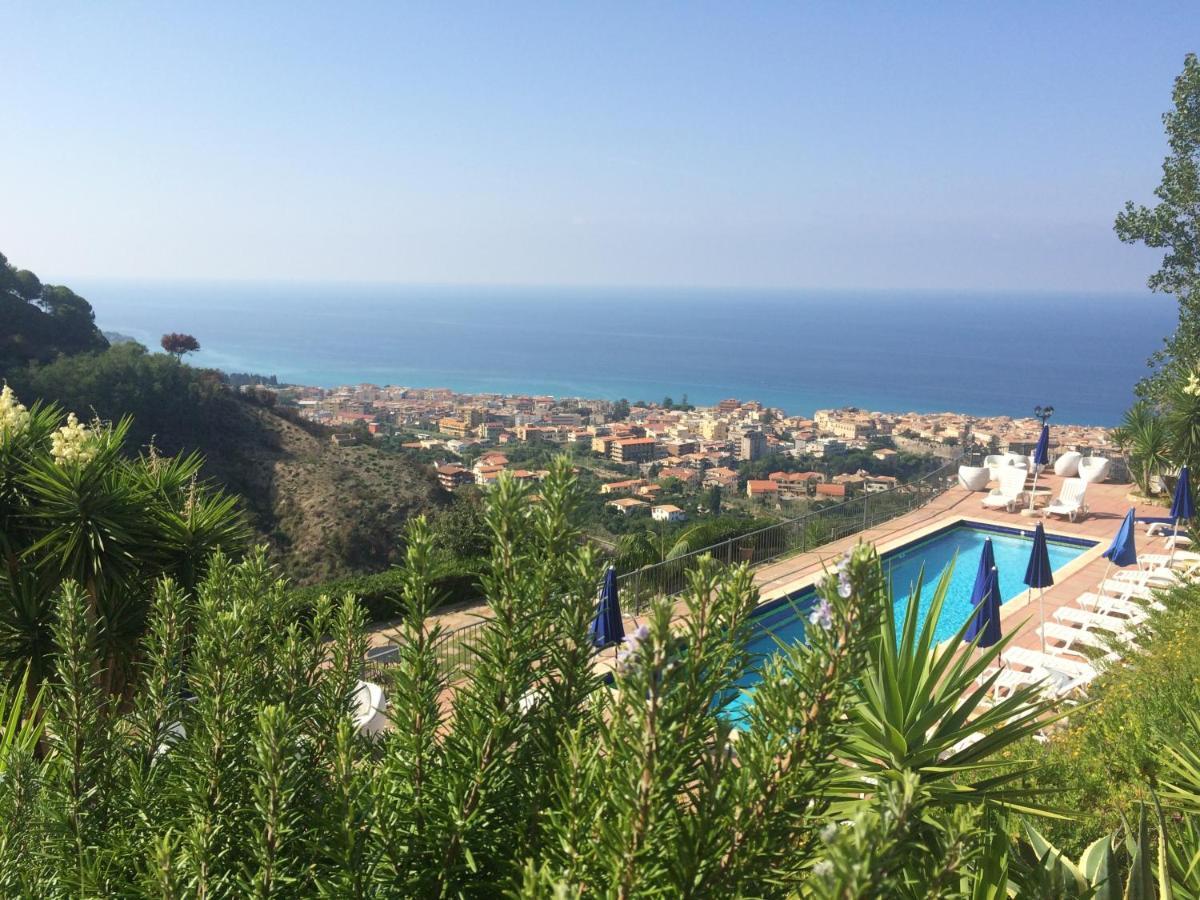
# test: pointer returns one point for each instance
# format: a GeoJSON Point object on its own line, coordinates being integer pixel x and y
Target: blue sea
{"type": "Point", "coordinates": [980, 353]}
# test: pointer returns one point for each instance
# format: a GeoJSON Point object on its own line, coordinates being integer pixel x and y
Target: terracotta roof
{"type": "Point", "coordinates": [757, 486]}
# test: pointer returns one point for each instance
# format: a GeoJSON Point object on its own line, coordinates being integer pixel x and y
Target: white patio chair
{"type": "Point", "coordinates": [1093, 469]}
{"type": "Point", "coordinates": [994, 464]}
{"type": "Point", "coordinates": [1067, 465]}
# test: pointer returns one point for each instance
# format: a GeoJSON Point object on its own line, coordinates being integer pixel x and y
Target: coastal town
{"type": "Point", "coordinates": [639, 451]}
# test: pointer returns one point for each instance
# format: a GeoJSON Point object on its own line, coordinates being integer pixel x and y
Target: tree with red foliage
{"type": "Point", "coordinates": [178, 344]}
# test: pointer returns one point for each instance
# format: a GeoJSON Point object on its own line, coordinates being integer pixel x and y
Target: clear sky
{"type": "Point", "coordinates": [954, 145]}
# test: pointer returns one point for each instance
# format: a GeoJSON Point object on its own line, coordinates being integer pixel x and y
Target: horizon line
{"type": "Point", "coordinates": [582, 286]}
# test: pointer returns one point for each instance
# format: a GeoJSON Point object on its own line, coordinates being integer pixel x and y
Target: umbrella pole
{"type": "Point", "coordinates": [1042, 604]}
{"type": "Point", "coordinates": [1032, 496]}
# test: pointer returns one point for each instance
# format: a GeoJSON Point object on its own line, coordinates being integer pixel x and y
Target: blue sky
{"type": "Point", "coordinates": [812, 145]}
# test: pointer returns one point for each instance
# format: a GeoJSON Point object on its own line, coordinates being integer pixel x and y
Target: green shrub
{"type": "Point", "coordinates": [379, 594]}
{"type": "Point", "coordinates": [235, 770]}
{"type": "Point", "coordinates": [1103, 762]}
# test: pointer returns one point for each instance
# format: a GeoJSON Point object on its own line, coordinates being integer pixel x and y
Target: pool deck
{"type": "Point", "coordinates": [1107, 504]}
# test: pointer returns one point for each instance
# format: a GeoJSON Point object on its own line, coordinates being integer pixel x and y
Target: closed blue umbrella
{"type": "Point", "coordinates": [607, 628]}
{"type": "Point", "coordinates": [1041, 457]}
{"type": "Point", "coordinates": [1181, 503]}
{"type": "Point", "coordinates": [1123, 549]}
{"type": "Point", "coordinates": [985, 598]}
{"type": "Point", "coordinates": [1038, 573]}
{"type": "Point", "coordinates": [1041, 453]}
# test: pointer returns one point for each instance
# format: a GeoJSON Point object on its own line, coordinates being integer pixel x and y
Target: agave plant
{"type": "Point", "coordinates": [1118, 866]}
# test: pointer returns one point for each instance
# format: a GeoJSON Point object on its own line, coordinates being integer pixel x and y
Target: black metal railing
{"type": "Point", "coordinates": [797, 535]}
{"type": "Point", "coordinates": [457, 647]}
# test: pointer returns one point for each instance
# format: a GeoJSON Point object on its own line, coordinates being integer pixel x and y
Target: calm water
{"type": "Point", "coordinates": [961, 545]}
{"type": "Point", "coordinates": [800, 350]}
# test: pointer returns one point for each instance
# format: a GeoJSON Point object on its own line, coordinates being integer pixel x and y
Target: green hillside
{"type": "Point", "coordinates": [322, 510]}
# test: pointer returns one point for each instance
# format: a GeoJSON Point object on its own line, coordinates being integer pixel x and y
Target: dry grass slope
{"type": "Point", "coordinates": [324, 511]}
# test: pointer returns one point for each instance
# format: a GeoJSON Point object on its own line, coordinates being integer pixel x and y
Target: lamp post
{"type": "Point", "coordinates": [1043, 413]}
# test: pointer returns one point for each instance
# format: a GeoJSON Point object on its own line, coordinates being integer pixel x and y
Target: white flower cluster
{"type": "Point", "coordinates": [73, 443]}
{"type": "Point", "coordinates": [14, 418]}
{"type": "Point", "coordinates": [1193, 385]}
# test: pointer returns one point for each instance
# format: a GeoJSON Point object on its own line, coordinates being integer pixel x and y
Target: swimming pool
{"type": "Point", "coordinates": [783, 620]}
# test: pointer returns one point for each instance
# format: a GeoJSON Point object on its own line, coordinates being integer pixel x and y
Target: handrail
{"type": "Point", "coordinates": [456, 647]}
{"type": "Point", "coordinates": [796, 535]}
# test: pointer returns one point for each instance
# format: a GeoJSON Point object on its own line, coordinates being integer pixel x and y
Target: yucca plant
{"type": "Point", "coordinates": [1145, 438]}
{"type": "Point", "coordinates": [923, 707]}
{"type": "Point", "coordinates": [74, 507]}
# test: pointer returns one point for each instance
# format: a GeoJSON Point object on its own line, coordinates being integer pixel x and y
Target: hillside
{"type": "Point", "coordinates": [323, 510]}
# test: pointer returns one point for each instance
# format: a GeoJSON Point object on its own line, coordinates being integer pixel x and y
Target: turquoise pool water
{"type": "Point", "coordinates": [785, 621]}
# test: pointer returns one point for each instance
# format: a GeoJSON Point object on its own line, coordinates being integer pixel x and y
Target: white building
{"type": "Point", "coordinates": [668, 513]}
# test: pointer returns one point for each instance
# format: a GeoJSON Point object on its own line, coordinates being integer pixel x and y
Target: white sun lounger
{"type": "Point", "coordinates": [1031, 659]}
{"type": "Point", "coordinates": [1166, 530]}
{"type": "Point", "coordinates": [1115, 624]}
{"type": "Point", "coordinates": [1071, 639]}
{"type": "Point", "coordinates": [1010, 492]}
{"type": "Point", "coordinates": [1117, 606]}
{"type": "Point", "coordinates": [1178, 559]}
{"type": "Point", "coordinates": [1163, 576]}
{"type": "Point", "coordinates": [1054, 682]}
{"type": "Point", "coordinates": [1071, 501]}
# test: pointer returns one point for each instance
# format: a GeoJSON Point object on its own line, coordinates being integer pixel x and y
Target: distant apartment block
{"type": "Point", "coordinates": [762, 489]}
{"type": "Point", "coordinates": [488, 431]}
{"type": "Point", "coordinates": [796, 485]}
{"type": "Point", "coordinates": [753, 446]}
{"type": "Point", "coordinates": [686, 475]}
{"type": "Point", "coordinates": [681, 447]}
{"type": "Point", "coordinates": [622, 487]}
{"type": "Point", "coordinates": [634, 450]}
{"type": "Point", "coordinates": [875, 484]}
{"type": "Point", "coordinates": [824, 447]}
{"type": "Point", "coordinates": [455, 428]}
{"type": "Point", "coordinates": [714, 429]}
{"type": "Point", "coordinates": [603, 444]}
{"type": "Point", "coordinates": [451, 476]}
{"type": "Point", "coordinates": [486, 476]}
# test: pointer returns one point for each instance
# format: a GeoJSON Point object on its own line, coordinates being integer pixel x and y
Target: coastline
{"type": "Point", "coordinates": [983, 354]}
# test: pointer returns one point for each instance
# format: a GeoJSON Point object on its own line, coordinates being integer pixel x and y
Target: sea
{"type": "Point", "coordinates": [975, 352]}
